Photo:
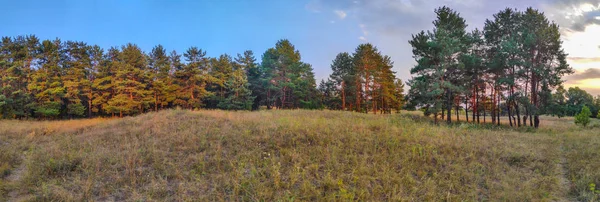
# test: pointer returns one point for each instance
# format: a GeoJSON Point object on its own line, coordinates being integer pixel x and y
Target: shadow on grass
{"type": "Point", "coordinates": [468, 125]}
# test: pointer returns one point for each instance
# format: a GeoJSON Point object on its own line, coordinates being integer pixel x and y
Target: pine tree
{"type": "Point", "coordinates": [438, 67]}
{"type": "Point", "coordinates": [238, 95]}
{"type": "Point", "coordinates": [46, 83]}
{"type": "Point", "coordinates": [343, 78]}
{"type": "Point", "coordinates": [289, 83]}
{"type": "Point", "coordinates": [193, 79]}
{"type": "Point", "coordinates": [399, 95]}
{"type": "Point", "coordinates": [161, 81]}
{"type": "Point", "coordinates": [329, 95]}
{"type": "Point", "coordinates": [74, 78]}
{"type": "Point", "coordinates": [221, 70]}
{"type": "Point", "coordinates": [104, 83]}
{"type": "Point", "coordinates": [545, 58]}
{"type": "Point", "coordinates": [253, 74]}
{"type": "Point", "coordinates": [92, 72]}
{"type": "Point", "coordinates": [583, 117]}
{"type": "Point", "coordinates": [130, 82]}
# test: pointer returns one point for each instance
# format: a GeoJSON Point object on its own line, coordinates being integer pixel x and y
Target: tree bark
{"type": "Point", "coordinates": [467, 109]}
{"type": "Point", "coordinates": [509, 114]}
{"type": "Point", "coordinates": [499, 109]}
{"type": "Point", "coordinates": [343, 95]}
{"type": "Point", "coordinates": [477, 103]}
{"type": "Point", "coordinates": [449, 106]}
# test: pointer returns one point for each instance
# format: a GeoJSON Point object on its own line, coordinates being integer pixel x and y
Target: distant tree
{"type": "Point", "coordinates": [399, 95]}
{"type": "Point", "coordinates": [329, 95]}
{"type": "Point", "coordinates": [583, 117]}
{"type": "Point", "coordinates": [559, 103]}
{"type": "Point", "coordinates": [576, 99]}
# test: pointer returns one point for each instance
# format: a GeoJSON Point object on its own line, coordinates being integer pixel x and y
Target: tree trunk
{"type": "Point", "coordinates": [518, 114]}
{"type": "Point", "coordinates": [484, 113]}
{"type": "Point", "coordinates": [473, 105]}
{"type": "Point", "coordinates": [443, 111]}
{"type": "Point", "coordinates": [358, 93]}
{"type": "Point", "coordinates": [493, 112]}
{"type": "Point", "coordinates": [449, 106]}
{"type": "Point", "coordinates": [374, 102]}
{"type": "Point", "coordinates": [477, 103]}
{"type": "Point", "coordinates": [457, 118]}
{"type": "Point", "coordinates": [467, 109]}
{"type": "Point", "coordinates": [343, 95]}
{"type": "Point", "coordinates": [509, 114]}
{"type": "Point", "coordinates": [499, 109]}
{"type": "Point", "coordinates": [366, 90]}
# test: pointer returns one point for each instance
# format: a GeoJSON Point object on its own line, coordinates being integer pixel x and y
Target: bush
{"type": "Point", "coordinates": [583, 117]}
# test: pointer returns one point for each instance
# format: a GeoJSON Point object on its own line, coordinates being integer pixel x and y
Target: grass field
{"type": "Point", "coordinates": [295, 155]}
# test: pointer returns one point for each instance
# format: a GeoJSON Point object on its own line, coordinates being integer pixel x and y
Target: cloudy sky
{"type": "Point", "coordinates": [319, 28]}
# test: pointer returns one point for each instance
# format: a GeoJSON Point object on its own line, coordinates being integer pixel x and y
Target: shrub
{"type": "Point", "coordinates": [583, 117]}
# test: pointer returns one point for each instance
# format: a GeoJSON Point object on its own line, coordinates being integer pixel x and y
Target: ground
{"type": "Point", "coordinates": [295, 155]}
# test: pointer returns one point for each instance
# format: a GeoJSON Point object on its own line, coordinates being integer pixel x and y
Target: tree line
{"type": "Point", "coordinates": [363, 82]}
{"type": "Point", "coordinates": [571, 102]}
{"type": "Point", "coordinates": [52, 79]}
{"type": "Point", "coordinates": [511, 67]}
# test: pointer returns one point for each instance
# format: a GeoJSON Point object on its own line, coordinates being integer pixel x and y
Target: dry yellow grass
{"type": "Point", "coordinates": [294, 155]}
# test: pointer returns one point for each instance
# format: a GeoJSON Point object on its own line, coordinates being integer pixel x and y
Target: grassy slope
{"type": "Point", "coordinates": [300, 155]}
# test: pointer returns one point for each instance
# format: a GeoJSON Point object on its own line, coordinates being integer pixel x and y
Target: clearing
{"type": "Point", "coordinates": [295, 155]}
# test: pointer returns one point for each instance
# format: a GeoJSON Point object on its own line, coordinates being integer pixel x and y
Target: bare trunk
{"type": "Point", "coordinates": [477, 103]}
{"type": "Point", "coordinates": [493, 96]}
{"type": "Point", "coordinates": [499, 109]}
{"type": "Point", "coordinates": [449, 106]}
{"type": "Point", "coordinates": [509, 114]}
{"type": "Point", "coordinates": [343, 95]}
{"type": "Point", "coordinates": [466, 109]}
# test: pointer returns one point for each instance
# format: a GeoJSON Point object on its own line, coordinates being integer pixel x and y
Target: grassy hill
{"type": "Point", "coordinates": [294, 155]}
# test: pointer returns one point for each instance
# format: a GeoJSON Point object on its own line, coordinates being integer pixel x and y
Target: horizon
{"type": "Point", "coordinates": [319, 29]}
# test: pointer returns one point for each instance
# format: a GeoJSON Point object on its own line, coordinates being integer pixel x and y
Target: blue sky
{"type": "Point", "coordinates": [320, 29]}
{"type": "Point", "coordinates": [218, 27]}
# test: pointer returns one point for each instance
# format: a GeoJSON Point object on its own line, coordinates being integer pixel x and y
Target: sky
{"type": "Point", "coordinates": [320, 29]}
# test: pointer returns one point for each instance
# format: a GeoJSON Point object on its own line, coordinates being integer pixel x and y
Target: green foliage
{"type": "Point", "coordinates": [514, 64]}
{"type": "Point", "coordinates": [238, 95]}
{"type": "Point", "coordinates": [436, 53]}
{"type": "Point", "coordinates": [287, 81]}
{"type": "Point", "coordinates": [583, 118]}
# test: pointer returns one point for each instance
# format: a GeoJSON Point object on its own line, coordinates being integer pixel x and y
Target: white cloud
{"type": "Point", "coordinates": [362, 38]}
{"type": "Point", "coordinates": [363, 29]}
{"type": "Point", "coordinates": [340, 13]}
{"type": "Point", "coordinates": [313, 6]}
